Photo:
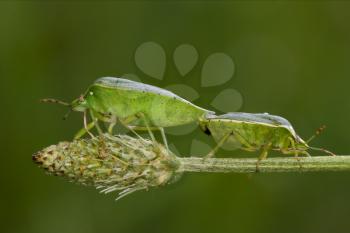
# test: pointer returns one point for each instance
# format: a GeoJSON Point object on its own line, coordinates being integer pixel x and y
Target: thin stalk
{"type": "Point", "coordinates": [249, 165]}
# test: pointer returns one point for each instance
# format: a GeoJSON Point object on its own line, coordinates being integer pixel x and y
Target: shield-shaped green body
{"type": "Point", "coordinates": [251, 132]}
{"type": "Point", "coordinates": [123, 98]}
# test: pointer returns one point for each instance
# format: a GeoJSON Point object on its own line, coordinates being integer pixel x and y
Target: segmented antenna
{"type": "Point", "coordinates": [67, 114]}
{"type": "Point", "coordinates": [54, 101]}
{"type": "Point", "coordinates": [318, 132]}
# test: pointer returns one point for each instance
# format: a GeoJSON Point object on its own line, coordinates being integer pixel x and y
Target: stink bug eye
{"type": "Point", "coordinates": [79, 104]}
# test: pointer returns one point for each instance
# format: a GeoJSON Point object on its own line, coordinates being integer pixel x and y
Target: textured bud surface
{"type": "Point", "coordinates": [111, 163]}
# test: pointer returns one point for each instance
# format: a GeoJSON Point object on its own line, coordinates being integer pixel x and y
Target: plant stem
{"type": "Point", "coordinates": [248, 165]}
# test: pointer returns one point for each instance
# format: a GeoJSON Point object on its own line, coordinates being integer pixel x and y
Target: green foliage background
{"type": "Point", "coordinates": [292, 59]}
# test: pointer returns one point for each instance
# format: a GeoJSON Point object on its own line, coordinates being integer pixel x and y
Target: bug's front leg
{"type": "Point", "coordinates": [295, 151]}
{"type": "Point", "coordinates": [113, 122]}
{"type": "Point", "coordinates": [292, 151]}
{"type": "Point", "coordinates": [86, 129]}
{"type": "Point", "coordinates": [292, 143]}
{"type": "Point", "coordinates": [108, 118]}
{"type": "Point", "coordinates": [95, 116]}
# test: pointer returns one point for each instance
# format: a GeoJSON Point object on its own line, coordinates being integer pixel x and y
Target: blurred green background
{"type": "Point", "coordinates": [291, 59]}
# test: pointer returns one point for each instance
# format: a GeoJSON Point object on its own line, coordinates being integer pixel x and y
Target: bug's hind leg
{"type": "Point", "coordinates": [294, 150]}
{"type": "Point", "coordinates": [126, 121]}
{"type": "Point", "coordinates": [218, 145]}
{"type": "Point", "coordinates": [238, 137]}
{"type": "Point", "coordinates": [150, 129]}
{"type": "Point", "coordinates": [112, 123]}
{"type": "Point", "coordinates": [263, 155]}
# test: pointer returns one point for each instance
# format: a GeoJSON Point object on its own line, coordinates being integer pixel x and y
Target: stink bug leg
{"type": "Point", "coordinates": [126, 123]}
{"type": "Point", "coordinates": [150, 129]}
{"type": "Point", "coordinates": [164, 137]}
{"type": "Point", "coordinates": [131, 129]}
{"type": "Point", "coordinates": [296, 154]}
{"type": "Point", "coordinates": [86, 129]}
{"type": "Point", "coordinates": [86, 126]}
{"type": "Point", "coordinates": [142, 116]}
{"type": "Point", "coordinates": [112, 124]}
{"type": "Point", "coordinates": [218, 145]}
{"type": "Point", "coordinates": [323, 150]}
{"type": "Point", "coordinates": [95, 116]}
{"type": "Point", "coordinates": [112, 119]}
{"type": "Point", "coordinates": [295, 151]}
{"type": "Point", "coordinates": [265, 150]}
{"type": "Point", "coordinates": [238, 137]}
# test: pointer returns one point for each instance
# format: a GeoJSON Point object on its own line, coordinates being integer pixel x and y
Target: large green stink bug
{"type": "Point", "coordinates": [255, 131]}
{"type": "Point", "coordinates": [134, 104]}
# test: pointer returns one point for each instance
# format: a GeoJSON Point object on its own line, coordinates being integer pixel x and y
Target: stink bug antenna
{"type": "Point", "coordinates": [55, 101]}
{"type": "Point", "coordinates": [318, 132]}
{"type": "Point", "coordinates": [67, 114]}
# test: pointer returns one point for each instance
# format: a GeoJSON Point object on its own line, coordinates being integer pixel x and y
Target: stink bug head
{"type": "Point", "coordinates": [301, 144]}
{"type": "Point", "coordinates": [79, 105]}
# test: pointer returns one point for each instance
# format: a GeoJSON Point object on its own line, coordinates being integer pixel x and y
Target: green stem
{"type": "Point", "coordinates": [248, 165]}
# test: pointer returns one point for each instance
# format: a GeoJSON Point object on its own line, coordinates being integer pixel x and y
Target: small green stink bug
{"type": "Point", "coordinates": [134, 104]}
{"type": "Point", "coordinates": [255, 131]}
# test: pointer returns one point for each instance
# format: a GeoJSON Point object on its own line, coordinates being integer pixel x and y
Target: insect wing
{"type": "Point", "coordinates": [256, 118]}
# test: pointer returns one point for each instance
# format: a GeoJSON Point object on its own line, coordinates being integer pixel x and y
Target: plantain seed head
{"type": "Point", "coordinates": [111, 163]}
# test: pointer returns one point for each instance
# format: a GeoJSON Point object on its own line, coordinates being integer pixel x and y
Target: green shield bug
{"type": "Point", "coordinates": [134, 104]}
{"type": "Point", "coordinates": [255, 131]}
